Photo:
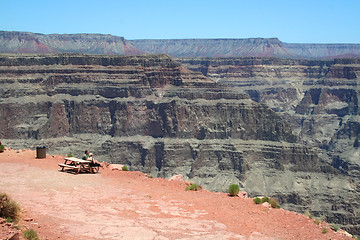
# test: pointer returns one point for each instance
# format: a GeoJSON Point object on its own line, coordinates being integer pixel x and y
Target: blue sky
{"type": "Point", "coordinates": [305, 21]}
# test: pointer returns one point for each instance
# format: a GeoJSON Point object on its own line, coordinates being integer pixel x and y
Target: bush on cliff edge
{"type": "Point", "coordinates": [234, 190]}
{"type": "Point", "coordinates": [192, 187]}
{"type": "Point", "coordinates": [30, 234]}
{"type": "Point", "coordinates": [9, 209]}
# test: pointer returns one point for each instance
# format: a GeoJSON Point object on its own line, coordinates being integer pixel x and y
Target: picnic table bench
{"type": "Point", "coordinates": [79, 165]}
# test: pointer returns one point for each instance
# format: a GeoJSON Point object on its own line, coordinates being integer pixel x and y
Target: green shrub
{"type": "Point", "coordinates": [192, 187]}
{"type": "Point", "coordinates": [334, 227]}
{"type": "Point", "coordinates": [257, 200]}
{"type": "Point", "coordinates": [70, 155]}
{"type": "Point", "coordinates": [2, 148]}
{"type": "Point", "coordinates": [324, 230]}
{"type": "Point", "coordinates": [265, 199]}
{"type": "Point", "coordinates": [9, 209]}
{"type": "Point", "coordinates": [308, 214]}
{"type": "Point", "coordinates": [30, 234]}
{"type": "Point", "coordinates": [317, 221]}
{"type": "Point", "coordinates": [234, 189]}
{"type": "Point", "coordinates": [274, 203]}
{"type": "Point", "coordinates": [125, 168]}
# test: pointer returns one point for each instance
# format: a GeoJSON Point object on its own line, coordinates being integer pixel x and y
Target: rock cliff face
{"type": "Point", "coordinates": [251, 47]}
{"type": "Point", "coordinates": [318, 98]}
{"type": "Point", "coordinates": [25, 42]}
{"type": "Point", "coordinates": [61, 95]}
{"type": "Point", "coordinates": [155, 115]}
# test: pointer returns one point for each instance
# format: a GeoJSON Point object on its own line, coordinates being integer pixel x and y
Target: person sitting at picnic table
{"type": "Point", "coordinates": [93, 162]}
{"type": "Point", "coordinates": [86, 155]}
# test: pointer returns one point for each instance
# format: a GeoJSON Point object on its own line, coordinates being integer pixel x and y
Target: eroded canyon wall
{"type": "Point", "coordinates": [27, 42]}
{"type": "Point", "coordinates": [158, 117]}
{"type": "Point", "coordinates": [249, 47]}
{"type": "Point", "coordinates": [318, 98]}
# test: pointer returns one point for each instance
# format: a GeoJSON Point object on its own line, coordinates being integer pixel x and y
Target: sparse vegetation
{"type": "Point", "coordinates": [192, 187]}
{"type": "Point", "coordinates": [30, 234]}
{"type": "Point", "coordinates": [274, 203]}
{"type": "Point", "coordinates": [257, 200]}
{"type": "Point", "coordinates": [317, 221]}
{"type": "Point", "coordinates": [234, 189]}
{"type": "Point", "coordinates": [324, 230]}
{"type": "Point", "coordinates": [308, 214]}
{"type": "Point", "coordinates": [70, 155]}
{"type": "Point", "coordinates": [2, 148]}
{"type": "Point", "coordinates": [334, 227]}
{"type": "Point", "coordinates": [125, 168]}
{"type": "Point", "coordinates": [9, 209]}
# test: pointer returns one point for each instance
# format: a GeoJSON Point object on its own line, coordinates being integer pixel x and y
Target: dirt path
{"type": "Point", "coordinates": [129, 205]}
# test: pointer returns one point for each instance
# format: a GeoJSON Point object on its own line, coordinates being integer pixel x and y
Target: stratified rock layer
{"type": "Point", "coordinates": [156, 116]}
{"type": "Point", "coordinates": [27, 42]}
{"type": "Point", "coordinates": [249, 47]}
{"type": "Point", "coordinates": [318, 98]}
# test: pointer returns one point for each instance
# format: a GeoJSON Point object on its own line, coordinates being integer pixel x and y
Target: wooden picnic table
{"type": "Point", "coordinates": [79, 165]}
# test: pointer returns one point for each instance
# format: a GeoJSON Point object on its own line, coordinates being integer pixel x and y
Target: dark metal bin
{"type": "Point", "coordinates": [41, 152]}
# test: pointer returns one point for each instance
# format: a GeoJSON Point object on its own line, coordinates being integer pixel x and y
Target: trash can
{"type": "Point", "coordinates": [41, 152]}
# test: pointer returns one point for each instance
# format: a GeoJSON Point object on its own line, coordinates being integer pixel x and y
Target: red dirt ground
{"type": "Point", "coordinates": [129, 205]}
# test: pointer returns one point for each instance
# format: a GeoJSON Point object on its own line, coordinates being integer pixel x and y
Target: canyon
{"type": "Point", "coordinates": [153, 114]}
{"type": "Point", "coordinates": [282, 127]}
{"type": "Point", "coordinates": [27, 42]}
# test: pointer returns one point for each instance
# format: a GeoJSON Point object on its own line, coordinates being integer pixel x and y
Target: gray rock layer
{"type": "Point", "coordinates": [318, 98]}
{"type": "Point", "coordinates": [153, 114]}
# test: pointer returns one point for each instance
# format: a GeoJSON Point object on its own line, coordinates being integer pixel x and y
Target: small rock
{"type": "Point", "coordinates": [188, 183]}
{"type": "Point", "coordinates": [243, 194]}
{"type": "Point", "coordinates": [15, 236]}
{"type": "Point", "coordinates": [28, 219]}
{"type": "Point", "coordinates": [341, 231]}
{"type": "Point", "coordinates": [266, 204]}
{"type": "Point", "coordinates": [178, 177]}
{"type": "Point", "coordinates": [115, 167]}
